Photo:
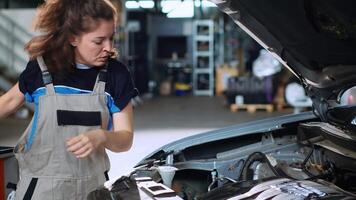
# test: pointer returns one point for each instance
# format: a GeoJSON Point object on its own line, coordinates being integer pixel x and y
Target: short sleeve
{"type": "Point", "coordinates": [119, 85]}
{"type": "Point", "coordinates": [30, 79]}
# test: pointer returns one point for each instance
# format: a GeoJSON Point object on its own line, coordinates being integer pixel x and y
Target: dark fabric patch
{"type": "Point", "coordinates": [83, 118]}
{"type": "Point", "coordinates": [106, 174]}
{"type": "Point", "coordinates": [31, 188]}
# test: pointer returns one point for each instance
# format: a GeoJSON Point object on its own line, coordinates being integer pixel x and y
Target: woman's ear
{"type": "Point", "coordinates": [73, 41]}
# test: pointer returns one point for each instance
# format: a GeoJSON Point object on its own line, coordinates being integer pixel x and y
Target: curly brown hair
{"type": "Point", "coordinates": [58, 20]}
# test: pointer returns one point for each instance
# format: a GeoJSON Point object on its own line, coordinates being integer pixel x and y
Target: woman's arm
{"type": "Point", "coordinates": [118, 140]}
{"type": "Point", "coordinates": [121, 138]}
{"type": "Point", "coordinates": [11, 101]}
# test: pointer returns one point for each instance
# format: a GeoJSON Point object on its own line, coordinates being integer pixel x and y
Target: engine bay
{"type": "Point", "coordinates": [292, 162]}
{"type": "Point", "coordinates": [302, 162]}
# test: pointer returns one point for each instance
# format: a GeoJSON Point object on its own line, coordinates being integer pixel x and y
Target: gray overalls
{"type": "Point", "coordinates": [47, 170]}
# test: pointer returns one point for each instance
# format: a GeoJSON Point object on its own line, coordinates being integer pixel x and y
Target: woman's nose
{"type": "Point", "coordinates": [108, 46]}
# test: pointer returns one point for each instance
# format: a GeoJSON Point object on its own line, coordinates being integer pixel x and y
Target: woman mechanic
{"type": "Point", "coordinates": [82, 101]}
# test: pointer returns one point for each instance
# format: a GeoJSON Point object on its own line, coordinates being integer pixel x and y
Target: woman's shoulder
{"type": "Point", "coordinates": [32, 65]}
{"type": "Point", "coordinates": [120, 84]}
{"type": "Point", "coordinates": [31, 78]}
{"type": "Point", "coordinates": [32, 70]}
{"type": "Point", "coordinates": [117, 67]}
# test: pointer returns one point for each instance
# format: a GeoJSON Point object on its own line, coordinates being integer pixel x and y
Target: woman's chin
{"type": "Point", "coordinates": [100, 63]}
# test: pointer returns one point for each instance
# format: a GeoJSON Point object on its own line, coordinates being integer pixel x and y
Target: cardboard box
{"type": "Point", "coordinates": [223, 73]}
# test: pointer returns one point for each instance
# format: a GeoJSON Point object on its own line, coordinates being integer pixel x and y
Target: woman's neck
{"type": "Point", "coordinates": [82, 66]}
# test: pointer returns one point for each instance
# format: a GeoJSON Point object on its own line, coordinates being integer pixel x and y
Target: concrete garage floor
{"type": "Point", "coordinates": [158, 121]}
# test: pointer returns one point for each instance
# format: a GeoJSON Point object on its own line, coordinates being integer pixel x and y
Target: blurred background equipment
{"type": "Point", "coordinates": [296, 97]}
{"type": "Point", "coordinates": [265, 65]}
{"type": "Point", "coordinates": [9, 174]}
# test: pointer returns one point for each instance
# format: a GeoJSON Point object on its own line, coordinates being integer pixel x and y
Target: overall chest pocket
{"type": "Point", "coordinates": [80, 118]}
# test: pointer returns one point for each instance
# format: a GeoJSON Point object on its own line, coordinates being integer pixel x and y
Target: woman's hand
{"type": "Point", "coordinates": [84, 144]}
{"type": "Point", "coordinates": [118, 140]}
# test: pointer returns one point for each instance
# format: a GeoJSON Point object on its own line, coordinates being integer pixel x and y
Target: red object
{"type": "Point", "coordinates": [350, 100]}
{"type": "Point", "coordinates": [2, 179]}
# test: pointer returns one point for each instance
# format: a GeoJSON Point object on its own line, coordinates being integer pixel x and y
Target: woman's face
{"type": "Point", "coordinates": [94, 48]}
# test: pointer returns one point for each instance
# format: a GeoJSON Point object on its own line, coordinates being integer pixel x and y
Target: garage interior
{"type": "Point", "coordinates": [195, 70]}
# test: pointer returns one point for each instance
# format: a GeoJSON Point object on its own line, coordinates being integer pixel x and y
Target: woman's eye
{"type": "Point", "coordinates": [98, 42]}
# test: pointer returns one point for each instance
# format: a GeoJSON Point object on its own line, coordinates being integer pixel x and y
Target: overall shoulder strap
{"type": "Point", "coordinates": [46, 76]}
{"type": "Point", "coordinates": [100, 82]}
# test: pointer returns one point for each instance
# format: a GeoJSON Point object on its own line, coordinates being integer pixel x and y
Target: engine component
{"type": "Point", "coordinates": [283, 188]}
{"type": "Point", "coordinates": [268, 167]}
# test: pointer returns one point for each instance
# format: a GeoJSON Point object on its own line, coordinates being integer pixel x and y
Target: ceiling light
{"type": "Point", "coordinates": [206, 3]}
{"type": "Point", "coordinates": [132, 5]}
{"type": "Point", "coordinates": [169, 5]}
{"type": "Point", "coordinates": [146, 4]}
{"type": "Point", "coordinates": [184, 10]}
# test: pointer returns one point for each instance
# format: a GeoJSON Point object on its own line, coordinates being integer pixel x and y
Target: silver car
{"type": "Point", "coordinates": [309, 155]}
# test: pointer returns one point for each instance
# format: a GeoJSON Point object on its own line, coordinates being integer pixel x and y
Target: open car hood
{"type": "Point", "coordinates": [315, 39]}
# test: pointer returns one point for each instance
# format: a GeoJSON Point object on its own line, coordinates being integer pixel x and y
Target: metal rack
{"type": "Point", "coordinates": [203, 58]}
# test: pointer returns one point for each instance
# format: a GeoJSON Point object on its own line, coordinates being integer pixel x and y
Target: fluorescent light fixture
{"type": "Point", "coordinates": [203, 3]}
{"type": "Point", "coordinates": [206, 3]}
{"type": "Point", "coordinates": [169, 5]}
{"type": "Point", "coordinates": [184, 10]}
{"type": "Point", "coordinates": [146, 4]}
{"type": "Point", "coordinates": [132, 5]}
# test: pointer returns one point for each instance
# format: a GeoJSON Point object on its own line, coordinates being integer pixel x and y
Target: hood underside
{"type": "Point", "coordinates": [315, 39]}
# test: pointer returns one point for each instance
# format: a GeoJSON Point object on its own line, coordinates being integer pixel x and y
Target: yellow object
{"type": "Point", "coordinates": [223, 73]}
{"type": "Point", "coordinates": [182, 86]}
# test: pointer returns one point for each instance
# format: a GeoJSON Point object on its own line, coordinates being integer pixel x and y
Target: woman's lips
{"type": "Point", "coordinates": [103, 58]}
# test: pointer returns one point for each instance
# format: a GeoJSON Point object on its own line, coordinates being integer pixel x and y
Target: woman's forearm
{"type": "Point", "coordinates": [83, 144]}
{"type": "Point", "coordinates": [4, 109]}
{"type": "Point", "coordinates": [118, 141]}
{"type": "Point", "coordinates": [11, 101]}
